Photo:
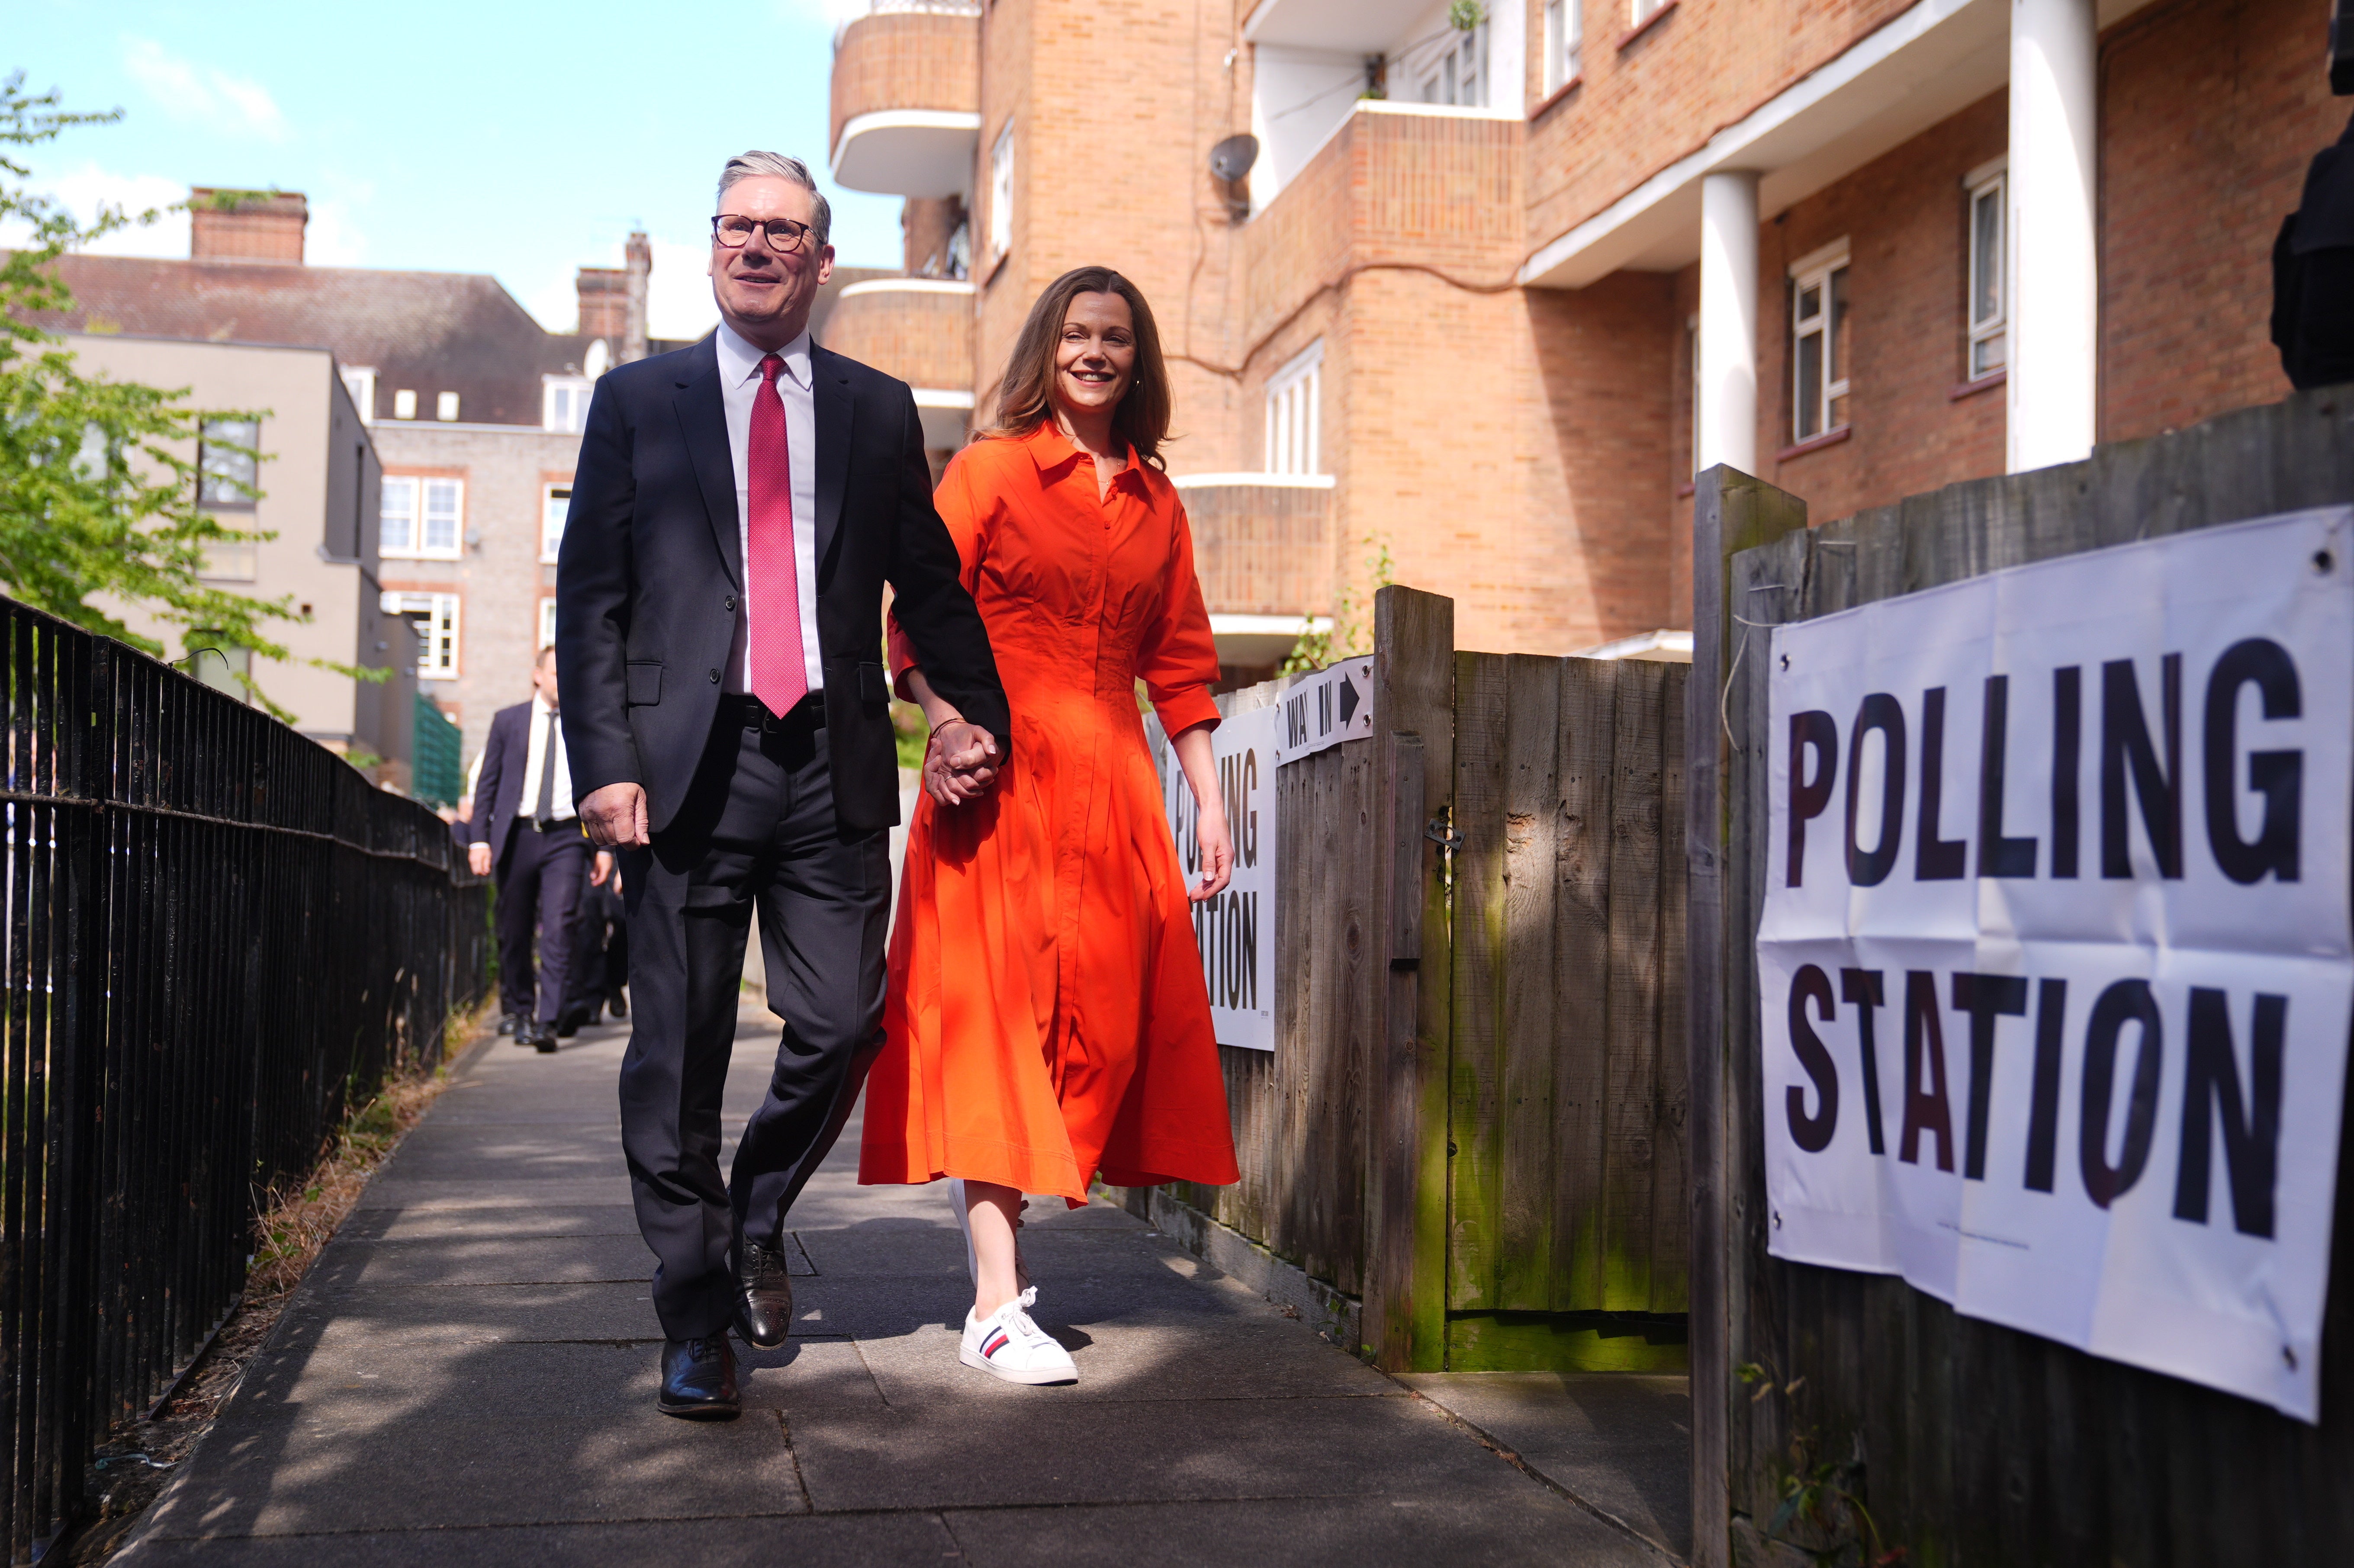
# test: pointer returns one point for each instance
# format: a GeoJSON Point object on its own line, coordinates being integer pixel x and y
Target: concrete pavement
{"type": "Point", "coordinates": [468, 1376]}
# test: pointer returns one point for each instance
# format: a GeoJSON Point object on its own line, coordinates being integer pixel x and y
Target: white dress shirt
{"type": "Point", "coordinates": [739, 379]}
{"type": "Point", "coordinates": [536, 758]}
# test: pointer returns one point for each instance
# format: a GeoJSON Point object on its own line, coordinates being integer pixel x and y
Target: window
{"type": "Point", "coordinates": [445, 405]}
{"type": "Point", "coordinates": [361, 385]}
{"type": "Point", "coordinates": [1818, 350]}
{"type": "Point", "coordinates": [1292, 413]}
{"type": "Point", "coordinates": [436, 615]}
{"type": "Point", "coordinates": [1000, 193]}
{"type": "Point", "coordinates": [1460, 75]}
{"type": "Point", "coordinates": [564, 403]}
{"type": "Point", "coordinates": [404, 404]}
{"type": "Point", "coordinates": [1564, 42]}
{"type": "Point", "coordinates": [1990, 273]}
{"type": "Point", "coordinates": [421, 516]}
{"type": "Point", "coordinates": [231, 560]}
{"type": "Point", "coordinates": [228, 464]}
{"type": "Point", "coordinates": [554, 505]}
{"type": "Point", "coordinates": [1644, 10]}
{"type": "Point", "coordinates": [546, 624]}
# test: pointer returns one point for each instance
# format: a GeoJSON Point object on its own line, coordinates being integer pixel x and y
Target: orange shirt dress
{"type": "Point", "coordinates": [1047, 1018]}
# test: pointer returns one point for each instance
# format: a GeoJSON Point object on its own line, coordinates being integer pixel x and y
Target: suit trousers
{"type": "Point", "coordinates": [756, 830]}
{"type": "Point", "coordinates": [540, 879]}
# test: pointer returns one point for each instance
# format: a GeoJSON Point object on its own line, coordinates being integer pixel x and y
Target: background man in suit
{"type": "Point", "coordinates": [737, 509]}
{"type": "Point", "coordinates": [525, 827]}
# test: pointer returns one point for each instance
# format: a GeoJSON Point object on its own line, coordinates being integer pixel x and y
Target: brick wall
{"type": "Point", "coordinates": [922, 335]}
{"type": "Point", "coordinates": [254, 229]}
{"type": "Point", "coordinates": [1261, 549]}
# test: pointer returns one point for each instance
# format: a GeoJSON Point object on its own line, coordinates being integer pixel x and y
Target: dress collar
{"type": "Point", "coordinates": [1057, 454]}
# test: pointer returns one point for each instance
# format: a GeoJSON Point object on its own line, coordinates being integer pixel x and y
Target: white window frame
{"type": "Point", "coordinates": [404, 404]}
{"type": "Point", "coordinates": [1641, 11]}
{"type": "Point", "coordinates": [551, 538]}
{"type": "Point", "coordinates": [360, 383]}
{"type": "Point", "coordinates": [437, 643]}
{"type": "Point", "coordinates": [1987, 182]}
{"type": "Point", "coordinates": [1458, 75]}
{"type": "Point", "coordinates": [546, 624]}
{"type": "Point", "coordinates": [564, 403]}
{"type": "Point", "coordinates": [1564, 43]}
{"type": "Point", "coordinates": [237, 473]}
{"type": "Point", "coordinates": [1000, 193]}
{"type": "Point", "coordinates": [1818, 270]}
{"type": "Point", "coordinates": [445, 407]}
{"type": "Point", "coordinates": [1295, 417]}
{"type": "Point", "coordinates": [421, 510]}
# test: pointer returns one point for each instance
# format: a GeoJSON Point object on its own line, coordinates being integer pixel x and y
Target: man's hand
{"type": "Point", "coordinates": [602, 869]}
{"type": "Point", "coordinates": [478, 859]}
{"type": "Point", "coordinates": [615, 817]}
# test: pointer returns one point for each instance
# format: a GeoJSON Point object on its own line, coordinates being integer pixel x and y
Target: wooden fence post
{"type": "Point", "coordinates": [1406, 1082]}
{"type": "Point", "coordinates": [1731, 512]}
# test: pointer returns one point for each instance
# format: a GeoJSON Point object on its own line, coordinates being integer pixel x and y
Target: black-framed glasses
{"type": "Point", "coordinates": [784, 235]}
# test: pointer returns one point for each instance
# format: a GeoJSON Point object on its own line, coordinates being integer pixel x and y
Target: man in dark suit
{"type": "Point", "coordinates": [737, 510]}
{"type": "Point", "coordinates": [526, 831]}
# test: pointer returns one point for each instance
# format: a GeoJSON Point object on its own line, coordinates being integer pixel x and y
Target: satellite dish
{"type": "Point", "coordinates": [1232, 159]}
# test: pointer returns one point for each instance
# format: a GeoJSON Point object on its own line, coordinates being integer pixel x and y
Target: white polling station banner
{"type": "Point", "coordinates": [2056, 961]}
{"type": "Point", "coordinates": [1235, 930]}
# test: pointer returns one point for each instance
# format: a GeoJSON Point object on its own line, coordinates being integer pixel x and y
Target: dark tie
{"type": "Point", "coordinates": [545, 812]}
{"type": "Point", "coordinates": [780, 675]}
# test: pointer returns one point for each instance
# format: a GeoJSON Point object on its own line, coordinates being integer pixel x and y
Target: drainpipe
{"type": "Point", "coordinates": [1728, 321]}
{"type": "Point", "coordinates": [2053, 389]}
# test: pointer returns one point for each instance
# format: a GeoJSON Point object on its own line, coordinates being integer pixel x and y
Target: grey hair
{"type": "Point", "coordinates": [775, 166]}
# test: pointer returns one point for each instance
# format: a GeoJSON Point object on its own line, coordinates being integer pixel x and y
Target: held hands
{"type": "Point", "coordinates": [602, 869]}
{"type": "Point", "coordinates": [615, 817]}
{"type": "Point", "coordinates": [478, 859]}
{"type": "Point", "coordinates": [960, 762]}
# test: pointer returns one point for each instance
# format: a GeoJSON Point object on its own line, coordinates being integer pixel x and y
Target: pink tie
{"type": "Point", "coordinates": [773, 583]}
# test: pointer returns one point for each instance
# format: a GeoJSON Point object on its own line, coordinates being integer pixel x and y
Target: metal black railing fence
{"type": "Point", "coordinates": [216, 939]}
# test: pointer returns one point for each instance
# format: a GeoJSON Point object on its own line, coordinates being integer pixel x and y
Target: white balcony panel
{"type": "Point", "coordinates": [922, 153]}
{"type": "Point", "coordinates": [1253, 642]}
{"type": "Point", "coordinates": [945, 412]}
{"type": "Point", "coordinates": [1364, 26]}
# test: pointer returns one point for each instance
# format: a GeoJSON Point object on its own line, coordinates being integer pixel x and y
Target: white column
{"type": "Point", "coordinates": [1728, 320]}
{"type": "Point", "coordinates": [2054, 259]}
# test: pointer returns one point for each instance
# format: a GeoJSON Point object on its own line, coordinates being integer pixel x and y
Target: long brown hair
{"type": "Point", "coordinates": [1025, 399]}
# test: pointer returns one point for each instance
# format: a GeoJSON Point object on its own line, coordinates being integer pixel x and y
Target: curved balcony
{"type": "Point", "coordinates": [907, 98]}
{"type": "Point", "coordinates": [1262, 549]}
{"type": "Point", "coordinates": [919, 330]}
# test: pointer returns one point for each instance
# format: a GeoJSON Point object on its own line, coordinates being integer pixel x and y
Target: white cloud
{"type": "Point", "coordinates": [83, 189]}
{"type": "Point", "coordinates": [187, 90]}
{"type": "Point", "coordinates": [332, 238]}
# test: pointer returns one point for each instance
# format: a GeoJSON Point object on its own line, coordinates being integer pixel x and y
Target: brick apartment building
{"type": "Point", "coordinates": [473, 408]}
{"type": "Point", "coordinates": [1485, 296]}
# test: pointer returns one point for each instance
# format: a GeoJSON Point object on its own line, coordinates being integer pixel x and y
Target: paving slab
{"type": "Point", "coordinates": [467, 1376]}
{"type": "Point", "coordinates": [1621, 1442]}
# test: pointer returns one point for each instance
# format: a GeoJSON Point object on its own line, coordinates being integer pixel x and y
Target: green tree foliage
{"type": "Point", "coordinates": [98, 480]}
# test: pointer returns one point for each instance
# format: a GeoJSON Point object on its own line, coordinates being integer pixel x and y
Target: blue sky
{"type": "Point", "coordinates": [521, 141]}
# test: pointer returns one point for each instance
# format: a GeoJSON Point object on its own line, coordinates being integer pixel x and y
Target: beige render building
{"type": "Point", "coordinates": [1480, 287]}
{"type": "Point", "coordinates": [319, 479]}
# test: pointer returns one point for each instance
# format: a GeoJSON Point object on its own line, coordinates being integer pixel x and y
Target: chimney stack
{"type": "Point", "coordinates": [638, 262]}
{"type": "Point", "coordinates": [261, 227]}
{"type": "Point", "coordinates": [604, 294]}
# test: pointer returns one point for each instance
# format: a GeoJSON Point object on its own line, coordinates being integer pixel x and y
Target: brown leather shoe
{"type": "Point", "coordinates": [764, 1294]}
{"type": "Point", "coordinates": [698, 1380]}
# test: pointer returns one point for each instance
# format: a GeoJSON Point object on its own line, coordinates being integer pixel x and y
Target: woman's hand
{"type": "Point", "coordinates": [1217, 855]}
{"type": "Point", "coordinates": [960, 760]}
{"type": "Point", "coordinates": [1200, 765]}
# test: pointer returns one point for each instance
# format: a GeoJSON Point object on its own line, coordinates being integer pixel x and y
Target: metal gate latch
{"type": "Point", "coordinates": [1442, 835]}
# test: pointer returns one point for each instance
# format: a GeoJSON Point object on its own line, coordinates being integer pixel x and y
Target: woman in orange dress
{"type": "Point", "coordinates": [1046, 1019]}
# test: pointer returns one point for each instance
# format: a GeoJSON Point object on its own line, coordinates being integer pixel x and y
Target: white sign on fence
{"type": "Point", "coordinates": [1334, 705]}
{"type": "Point", "coordinates": [1235, 930]}
{"type": "Point", "coordinates": [2055, 960]}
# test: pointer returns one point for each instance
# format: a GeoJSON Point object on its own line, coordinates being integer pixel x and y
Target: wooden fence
{"type": "Point", "coordinates": [1470, 1132]}
{"type": "Point", "coordinates": [1978, 1444]}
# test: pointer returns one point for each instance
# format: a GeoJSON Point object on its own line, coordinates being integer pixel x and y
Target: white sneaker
{"type": "Point", "coordinates": [1007, 1344]}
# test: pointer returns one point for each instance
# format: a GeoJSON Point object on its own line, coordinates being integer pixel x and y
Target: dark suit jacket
{"type": "Point", "coordinates": [498, 789]}
{"type": "Point", "coordinates": [652, 564]}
